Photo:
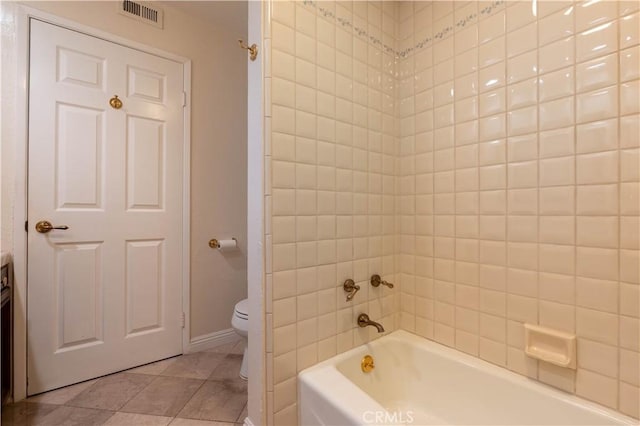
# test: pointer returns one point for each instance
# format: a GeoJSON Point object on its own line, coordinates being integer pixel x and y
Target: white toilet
{"type": "Point", "coordinates": [240, 323]}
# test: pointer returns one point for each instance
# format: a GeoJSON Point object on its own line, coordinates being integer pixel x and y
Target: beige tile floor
{"type": "Point", "coordinates": [197, 389]}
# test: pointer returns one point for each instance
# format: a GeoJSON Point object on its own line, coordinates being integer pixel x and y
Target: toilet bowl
{"type": "Point", "coordinates": [240, 323]}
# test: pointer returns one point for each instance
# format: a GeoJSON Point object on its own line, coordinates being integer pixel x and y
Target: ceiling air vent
{"type": "Point", "coordinates": [142, 11]}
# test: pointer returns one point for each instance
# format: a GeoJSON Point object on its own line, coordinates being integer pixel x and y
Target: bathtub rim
{"type": "Point", "coordinates": [347, 398]}
{"type": "Point", "coordinates": [322, 373]}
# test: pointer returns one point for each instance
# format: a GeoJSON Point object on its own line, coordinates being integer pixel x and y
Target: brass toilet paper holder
{"type": "Point", "coordinates": [215, 244]}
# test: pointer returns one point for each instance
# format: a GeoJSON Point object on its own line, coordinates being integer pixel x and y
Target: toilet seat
{"type": "Point", "coordinates": [240, 323]}
{"type": "Point", "coordinates": [241, 310]}
{"type": "Point", "coordinates": [240, 319]}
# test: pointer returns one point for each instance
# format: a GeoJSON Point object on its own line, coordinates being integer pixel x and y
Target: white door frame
{"type": "Point", "coordinates": [256, 131]}
{"type": "Point", "coordinates": [23, 16]}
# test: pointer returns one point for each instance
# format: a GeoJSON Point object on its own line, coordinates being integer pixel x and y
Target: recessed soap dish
{"type": "Point", "coordinates": [549, 345]}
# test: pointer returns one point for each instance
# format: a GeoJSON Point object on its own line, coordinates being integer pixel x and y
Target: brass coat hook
{"type": "Point", "coordinates": [253, 49]}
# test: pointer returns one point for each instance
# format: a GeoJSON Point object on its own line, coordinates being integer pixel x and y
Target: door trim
{"type": "Point", "coordinates": [258, 31]}
{"type": "Point", "coordinates": [24, 14]}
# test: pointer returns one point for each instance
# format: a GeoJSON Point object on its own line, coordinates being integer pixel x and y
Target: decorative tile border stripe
{"type": "Point", "coordinates": [439, 35]}
{"type": "Point", "coordinates": [361, 32]}
{"type": "Point", "coordinates": [447, 31]}
{"type": "Point", "coordinates": [487, 10]}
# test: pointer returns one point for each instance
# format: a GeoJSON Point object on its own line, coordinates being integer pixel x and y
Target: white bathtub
{"type": "Point", "coordinates": [419, 382]}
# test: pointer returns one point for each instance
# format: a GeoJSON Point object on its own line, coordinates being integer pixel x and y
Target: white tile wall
{"type": "Point", "coordinates": [482, 156]}
{"type": "Point", "coordinates": [532, 186]}
{"type": "Point", "coordinates": [330, 183]}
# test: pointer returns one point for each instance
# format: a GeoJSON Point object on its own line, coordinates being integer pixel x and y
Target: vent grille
{"type": "Point", "coordinates": [142, 12]}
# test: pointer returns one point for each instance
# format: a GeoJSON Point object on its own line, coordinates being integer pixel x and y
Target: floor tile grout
{"type": "Point", "coordinates": [97, 412]}
{"type": "Point", "coordinates": [241, 412]}
{"type": "Point", "coordinates": [190, 398]}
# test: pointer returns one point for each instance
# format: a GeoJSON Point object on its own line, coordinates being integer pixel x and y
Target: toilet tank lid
{"type": "Point", "coordinates": [242, 307]}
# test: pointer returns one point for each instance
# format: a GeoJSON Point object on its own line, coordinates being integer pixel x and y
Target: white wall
{"type": "Point", "coordinates": [7, 111]}
{"type": "Point", "coordinates": [218, 145]}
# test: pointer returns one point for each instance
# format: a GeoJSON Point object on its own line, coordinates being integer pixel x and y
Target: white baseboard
{"type": "Point", "coordinates": [211, 340]}
{"type": "Point", "coordinates": [248, 422]}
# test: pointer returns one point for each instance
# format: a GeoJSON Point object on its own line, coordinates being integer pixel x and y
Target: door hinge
{"type": "Point", "coordinates": [183, 320]}
{"type": "Point", "coordinates": [184, 99]}
{"type": "Point", "coordinates": [26, 226]}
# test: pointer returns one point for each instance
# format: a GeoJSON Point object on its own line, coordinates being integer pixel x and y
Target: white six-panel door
{"type": "Point", "coordinates": [105, 294]}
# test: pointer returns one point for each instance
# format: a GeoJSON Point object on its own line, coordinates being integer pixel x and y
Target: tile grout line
{"type": "Point", "coordinates": [156, 377]}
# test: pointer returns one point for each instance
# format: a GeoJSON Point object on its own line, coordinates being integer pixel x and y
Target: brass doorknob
{"type": "Point", "coordinates": [45, 226]}
{"type": "Point", "coordinates": [115, 102]}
